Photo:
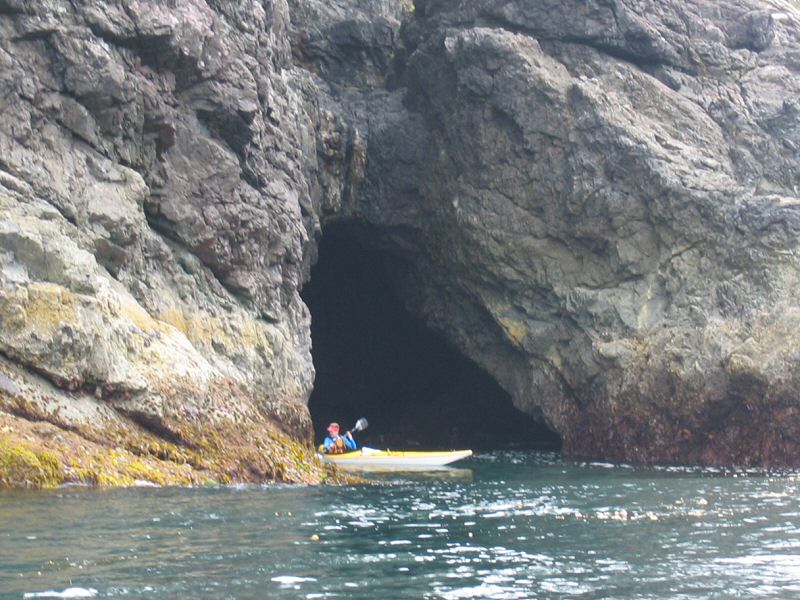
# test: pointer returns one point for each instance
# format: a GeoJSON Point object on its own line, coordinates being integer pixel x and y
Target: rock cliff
{"type": "Point", "coordinates": [597, 202]}
{"type": "Point", "coordinates": [159, 177]}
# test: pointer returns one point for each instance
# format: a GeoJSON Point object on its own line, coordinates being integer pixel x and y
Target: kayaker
{"type": "Point", "coordinates": [338, 444]}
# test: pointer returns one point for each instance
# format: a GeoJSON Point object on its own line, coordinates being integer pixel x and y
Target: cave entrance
{"type": "Point", "coordinates": [374, 359]}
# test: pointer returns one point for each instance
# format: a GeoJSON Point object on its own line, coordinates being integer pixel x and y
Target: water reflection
{"type": "Point", "coordinates": [405, 474]}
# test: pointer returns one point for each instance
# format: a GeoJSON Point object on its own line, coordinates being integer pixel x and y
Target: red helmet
{"type": "Point", "coordinates": [333, 428]}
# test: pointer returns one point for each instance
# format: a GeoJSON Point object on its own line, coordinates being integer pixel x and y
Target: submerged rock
{"type": "Point", "coordinates": [596, 202]}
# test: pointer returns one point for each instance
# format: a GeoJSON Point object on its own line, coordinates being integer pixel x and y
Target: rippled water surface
{"type": "Point", "coordinates": [503, 526]}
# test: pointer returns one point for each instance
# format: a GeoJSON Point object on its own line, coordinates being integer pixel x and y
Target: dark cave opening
{"type": "Point", "coordinates": [374, 359]}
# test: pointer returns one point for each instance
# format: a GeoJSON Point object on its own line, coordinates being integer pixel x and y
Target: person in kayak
{"type": "Point", "coordinates": [338, 444]}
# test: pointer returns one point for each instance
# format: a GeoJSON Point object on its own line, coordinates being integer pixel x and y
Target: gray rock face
{"type": "Point", "coordinates": [603, 200]}
{"type": "Point", "coordinates": [598, 202]}
{"type": "Point", "coordinates": [158, 176]}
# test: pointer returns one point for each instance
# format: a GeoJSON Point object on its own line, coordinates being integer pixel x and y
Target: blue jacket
{"type": "Point", "coordinates": [348, 443]}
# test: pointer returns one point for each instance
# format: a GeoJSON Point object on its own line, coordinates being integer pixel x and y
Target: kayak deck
{"type": "Point", "coordinates": [369, 457]}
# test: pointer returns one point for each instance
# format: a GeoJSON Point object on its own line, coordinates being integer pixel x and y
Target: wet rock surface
{"type": "Point", "coordinates": [595, 202]}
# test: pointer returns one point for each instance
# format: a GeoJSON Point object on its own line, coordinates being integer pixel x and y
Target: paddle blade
{"type": "Point", "coordinates": [360, 425]}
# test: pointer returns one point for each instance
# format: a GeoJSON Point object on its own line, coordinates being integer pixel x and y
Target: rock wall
{"type": "Point", "coordinates": [597, 202]}
{"type": "Point", "coordinates": [601, 201]}
{"type": "Point", "coordinates": [159, 199]}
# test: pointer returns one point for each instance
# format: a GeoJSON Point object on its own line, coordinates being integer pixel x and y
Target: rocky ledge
{"type": "Point", "coordinates": [597, 202]}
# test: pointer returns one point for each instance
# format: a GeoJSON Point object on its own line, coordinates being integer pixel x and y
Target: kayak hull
{"type": "Point", "coordinates": [394, 459]}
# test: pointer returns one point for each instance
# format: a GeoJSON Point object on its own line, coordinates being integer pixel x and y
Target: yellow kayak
{"type": "Point", "coordinates": [395, 459]}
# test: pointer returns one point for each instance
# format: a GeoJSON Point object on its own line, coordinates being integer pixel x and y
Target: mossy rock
{"type": "Point", "coordinates": [23, 467]}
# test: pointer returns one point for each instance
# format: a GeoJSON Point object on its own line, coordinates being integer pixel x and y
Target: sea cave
{"type": "Point", "coordinates": [375, 359]}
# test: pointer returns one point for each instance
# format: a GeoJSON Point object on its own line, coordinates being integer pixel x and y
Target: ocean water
{"type": "Point", "coordinates": [502, 525]}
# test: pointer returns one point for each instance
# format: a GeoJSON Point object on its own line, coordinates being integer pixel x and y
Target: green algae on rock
{"type": "Point", "coordinates": [38, 454]}
{"type": "Point", "coordinates": [23, 467]}
{"type": "Point", "coordinates": [46, 442]}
